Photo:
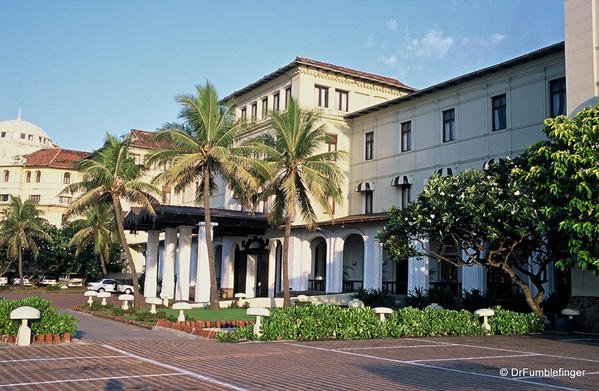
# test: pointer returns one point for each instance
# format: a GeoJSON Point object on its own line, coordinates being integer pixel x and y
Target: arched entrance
{"type": "Point", "coordinates": [278, 267]}
{"type": "Point", "coordinates": [353, 263]}
{"type": "Point", "coordinates": [317, 278]}
{"type": "Point", "coordinates": [251, 268]}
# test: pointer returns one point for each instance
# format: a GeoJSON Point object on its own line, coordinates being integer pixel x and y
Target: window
{"type": "Point", "coordinates": [331, 141]}
{"type": "Point", "coordinates": [38, 176]}
{"type": "Point", "coordinates": [449, 125]}
{"type": "Point", "coordinates": [65, 199]}
{"type": "Point", "coordinates": [275, 102]}
{"type": "Point", "coordinates": [35, 198]}
{"type": "Point", "coordinates": [6, 175]}
{"type": "Point", "coordinates": [368, 196]}
{"type": "Point", "coordinates": [136, 158]}
{"type": "Point", "coordinates": [405, 195]}
{"type": "Point", "coordinates": [322, 96]}
{"type": "Point", "coordinates": [254, 111]}
{"type": "Point", "coordinates": [244, 113]}
{"type": "Point", "coordinates": [287, 96]}
{"type": "Point", "coordinates": [28, 176]}
{"type": "Point", "coordinates": [166, 196]}
{"type": "Point", "coordinates": [3, 134]}
{"type": "Point", "coordinates": [4, 197]}
{"type": "Point", "coordinates": [369, 146]}
{"type": "Point", "coordinates": [264, 107]}
{"type": "Point", "coordinates": [66, 179]}
{"type": "Point", "coordinates": [342, 100]}
{"type": "Point", "coordinates": [23, 136]}
{"type": "Point", "coordinates": [406, 136]}
{"type": "Point", "coordinates": [499, 112]}
{"type": "Point", "coordinates": [30, 137]}
{"type": "Point", "coordinates": [557, 89]}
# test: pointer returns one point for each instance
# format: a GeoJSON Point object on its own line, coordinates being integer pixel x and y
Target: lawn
{"type": "Point", "coordinates": [203, 314]}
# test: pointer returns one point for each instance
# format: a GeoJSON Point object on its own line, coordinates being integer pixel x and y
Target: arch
{"type": "Point", "coordinates": [353, 263]}
{"type": "Point", "coordinates": [317, 277]}
{"type": "Point", "coordinates": [6, 175]}
{"type": "Point", "coordinates": [38, 176]}
{"type": "Point", "coordinates": [278, 267]}
{"type": "Point", "coordinates": [218, 264]}
{"type": "Point", "coordinates": [66, 179]}
{"type": "Point", "coordinates": [28, 176]}
{"type": "Point", "coordinates": [239, 270]}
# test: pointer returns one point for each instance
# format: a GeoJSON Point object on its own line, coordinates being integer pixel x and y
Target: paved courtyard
{"type": "Point", "coordinates": [115, 356]}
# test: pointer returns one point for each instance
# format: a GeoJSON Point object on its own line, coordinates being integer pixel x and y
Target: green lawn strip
{"type": "Point", "coordinates": [203, 314]}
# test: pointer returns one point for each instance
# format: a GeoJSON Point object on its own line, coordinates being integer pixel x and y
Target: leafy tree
{"type": "Point", "coordinates": [564, 170]}
{"type": "Point", "coordinates": [20, 226]}
{"type": "Point", "coordinates": [200, 148]}
{"type": "Point", "coordinates": [299, 173]}
{"type": "Point", "coordinates": [494, 218]}
{"type": "Point", "coordinates": [111, 176]}
{"type": "Point", "coordinates": [96, 230]}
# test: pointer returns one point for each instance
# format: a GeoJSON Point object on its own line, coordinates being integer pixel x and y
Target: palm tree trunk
{"type": "Point", "coordinates": [214, 304]}
{"type": "Point", "coordinates": [103, 264]}
{"type": "Point", "coordinates": [119, 222]}
{"type": "Point", "coordinates": [286, 292]}
{"type": "Point", "coordinates": [21, 267]}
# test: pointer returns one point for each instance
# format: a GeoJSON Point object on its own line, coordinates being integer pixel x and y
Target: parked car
{"type": "Point", "coordinates": [110, 285]}
{"type": "Point", "coordinates": [3, 280]}
{"type": "Point", "coordinates": [46, 281]}
{"type": "Point", "coordinates": [71, 280]}
{"type": "Point", "coordinates": [17, 281]}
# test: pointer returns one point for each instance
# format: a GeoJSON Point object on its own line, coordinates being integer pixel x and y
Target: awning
{"type": "Point", "coordinates": [487, 163]}
{"type": "Point", "coordinates": [365, 186]}
{"type": "Point", "coordinates": [402, 180]}
{"type": "Point", "coordinates": [444, 171]}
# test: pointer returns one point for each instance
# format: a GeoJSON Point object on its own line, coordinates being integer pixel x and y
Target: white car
{"type": "Point", "coordinates": [70, 280]}
{"type": "Point", "coordinates": [3, 280]}
{"type": "Point", "coordinates": [110, 285]}
{"type": "Point", "coordinates": [17, 281]}
{"type": "Point", "coordinates": [47, 280]}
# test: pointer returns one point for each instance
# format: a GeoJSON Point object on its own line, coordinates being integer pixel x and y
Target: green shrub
{"type": "Point", "coordinates": [96, 306]}
{"type": "Point", "coordinates": [50, 322]}
{"type": "Point", "coordinates": [374, 298]}
{"type": "Point", "coordinates": [239, 334]}
{"type": "Point", "coordinates": [510, 322]}
{"type": "Point", "coordinates": [4, 287]}
{"type": "Point", "coordinates": [235, 304]}
{"type": "Point", "coordinates": [160, 314]}
{"type": "Point", "coordinates": [53, 287]}
{"type": "Point", "coordinates": [473, 300]}
{"type": "Point", "coordinates": [418, 298]}
{"type": "Point", "coordinates": [413, 322]}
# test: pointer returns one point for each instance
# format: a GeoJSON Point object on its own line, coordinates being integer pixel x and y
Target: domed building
{"type": "Point", "coordinates": [33, 167]}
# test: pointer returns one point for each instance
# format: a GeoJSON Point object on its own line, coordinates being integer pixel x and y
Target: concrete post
{"type": "Point", "coordinates": [168, 271]}
{"type": "Point", "coordinates": [202, 292]}
{"type": "Point", "coordinates": [150, 283]}
{"type": "Point", "coordinates": [418, 271]}
{"type": "Point", "coordinates": [182, 292]}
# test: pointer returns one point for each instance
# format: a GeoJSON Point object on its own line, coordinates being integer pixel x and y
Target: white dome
{"type": "Point", "coordinates": [18, 137]}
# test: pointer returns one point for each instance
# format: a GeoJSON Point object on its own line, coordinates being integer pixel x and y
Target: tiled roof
{"type": "Point", "coordinates": [145, 139]}
{"type": "Point", "coordinates": [371, 77]}
{"type": "Point", "coordinates": [54, 158]}
{"type": "Point", "coordinates": [352, 219]}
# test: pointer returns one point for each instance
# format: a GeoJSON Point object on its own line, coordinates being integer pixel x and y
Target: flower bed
{"type": "Point", "coordinates": [122, 319]}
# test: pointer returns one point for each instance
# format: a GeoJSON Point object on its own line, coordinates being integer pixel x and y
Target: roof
{"type": "Point", "coordinates": [145, 139]}
{"type": "Point", "coordinates": [351, 219]}
{"type": "Point", "coordinates": [54, 158]}
{"type": "Point", "coordinates": [303, 61]}
{"type": "Point", "coordinates": [555, 48]}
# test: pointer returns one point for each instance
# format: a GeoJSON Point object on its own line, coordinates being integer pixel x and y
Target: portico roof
{"type": "Point", "coordinates": [230, 222]}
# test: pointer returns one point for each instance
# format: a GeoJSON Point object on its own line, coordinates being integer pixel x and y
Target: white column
{"type": "Point", "coordinates": [418, 271]}
{"type": "Point", "coordinates": [151, 264]}
{"type": "Point", "coordinates": [168, 271]}
{"type": "Point", "coordinates": [226, 277]}
{"type": "Point", "coordinates": [335, 265]}
{"type": "Point", "coordinates": [202, 293]}
{"type": "Point", "coordinates": [250, 275]}
{"type": "Point", "coordinates": [182, 291]}
{"type": "Point", "coordinates": [473, 277]}
{"type": "Point", "coordinates": [373, 263]}
{"type": "Point", "coordinates": [272, 260]}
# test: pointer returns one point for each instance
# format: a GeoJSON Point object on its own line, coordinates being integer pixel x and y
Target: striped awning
{"type": "Point", "coordinates": [365, 186]}
{"type": "Point", "coordinates": [444, 171]}
{"type": "Point", "coordinates": [402, 180]}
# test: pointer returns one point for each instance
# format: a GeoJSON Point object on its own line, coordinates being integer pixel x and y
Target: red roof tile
{"type": "Point", "coordinates": [145, 139]}
{"type": "Point", "coordinates": [55, 158]}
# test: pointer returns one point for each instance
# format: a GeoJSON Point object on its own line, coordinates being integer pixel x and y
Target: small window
{"type": "Point", "coordinates": [4, 197]}
{"type": "Point", "coordinates": [28, 176]}
{"type": "Point", "coordinates": [369, 146]}
{"type": "Point", "coordinates": [38, 176]}
{"type": "Point", "coordinates": [66, 179]}
{"type": "Point", "coordinates": [3, 134]}
{"type": "Point", "coordinates": [368, 196]}
{"type": "Point", "coordinates": [30, 138]}
{"type": "Point", "coordinates": [136, 158]}
{"type": "Point", "coordinates": [406, 196]}
{"type": "Point", "coordinates": [35, 198]}
{"type": "Point", "coordinates": [65, 199]}
{"type": "Point", "coordinates": [40, 138]}
{"type": "Point", "coordinates": [499, 112]}
{"type": "Point", "coordinates": [287, 96]}
{"type": "Point", "coordinates": [22, 136]}
{"type": "Point", "coordinates": [342, 100]}
{"type": "Point", "coordinates": [558, 96]}
{"type": "Point", "coordinates": [406, 136]}
{"type": "Point", "coordinates": [322, 96]}
{"type": "Point", "coordinates": [254, 111]}
{"type": "Point", "coordinates": [166, 195]}
{"type": "Point", "coordinates": [244, 113]}
{"type": "Point", "coordinates": [6, 175]}
{"type": "Point", "coordinates": [449, 125]}
{"type": "Point", "coordinates": [264, 108]}
{"type": "Point", "coordinates": [331, 141]}
{"type": "Point", "coordinates": [276, 102]}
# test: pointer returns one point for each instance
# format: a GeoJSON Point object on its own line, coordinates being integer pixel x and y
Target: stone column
{"type": "Point", "coordinates": [250, 275]}
{"type": "Point", "coordinates": [182, 291]}
{"type": "Point", "coordinates": [418, 271]}
{"type": "Point", "coordinates": [373, 264]}
{"type": "Point", "coordinates": [202, 293]}
{"type": "Point", "coordinates": [151, 264]}
{"type": "Point", "coordinates": [226, 276]}
{"type": "Point", "coordinates": [170, 253]}
{"type": "Point", "coordinates": [334, 283]}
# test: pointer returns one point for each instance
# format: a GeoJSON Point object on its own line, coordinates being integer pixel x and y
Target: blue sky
{"type": "Point", "coordinates": [84, 68]}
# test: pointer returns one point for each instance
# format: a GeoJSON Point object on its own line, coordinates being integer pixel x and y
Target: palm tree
{"type": "Point", "coordinates": [200, 148]}
{"type": "Point", "coordinates": [96, 228]}
{"type": "Point", "coordinates": [300, 172]}
{"type": "Point", "coordinates": [109, 176]}
{"type": "Point", "coordinates": [21, 225]}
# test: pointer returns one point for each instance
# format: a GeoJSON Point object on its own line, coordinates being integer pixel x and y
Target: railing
{"type": "Point", "coordinates": [395, 287]}
{"type": "Point", "coordinates": [316, 285]}
{"type": "Point", "coordinates": [352, 285]}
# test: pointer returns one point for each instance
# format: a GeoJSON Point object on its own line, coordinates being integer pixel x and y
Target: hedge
{"type": "Point", "coordinates": [50, 322]}
{"type": "Point", "coordinates": [323, 322]}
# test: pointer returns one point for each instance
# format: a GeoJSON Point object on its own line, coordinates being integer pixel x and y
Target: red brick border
{"type": "Point", "coordinates": [197, 327]}
{"type": "Point", "coordinates": [39, 338]}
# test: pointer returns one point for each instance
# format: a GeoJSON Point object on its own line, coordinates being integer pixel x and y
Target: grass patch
{"type": "Point", "coordinates": [203, 314]}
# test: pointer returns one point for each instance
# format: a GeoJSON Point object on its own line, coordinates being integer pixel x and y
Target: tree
{"type": "Point", "coordinates": [491, 216]}
{"type": "Point", "coordinates": [110, 175]}
{"type": "Point", "coordinates": [20, 227]}
{"type": "Point", "coordinates": [96, 230]}
{"type": "Point", "coordinates": [564, 170]}
{"type": "Point", "coordinates": [299, 173]}
{"type": "Point", "coordinates": [200, 148]}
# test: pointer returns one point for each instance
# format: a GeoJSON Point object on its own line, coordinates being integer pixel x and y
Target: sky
{"type": "Point", "coordinates": [81, 69]}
